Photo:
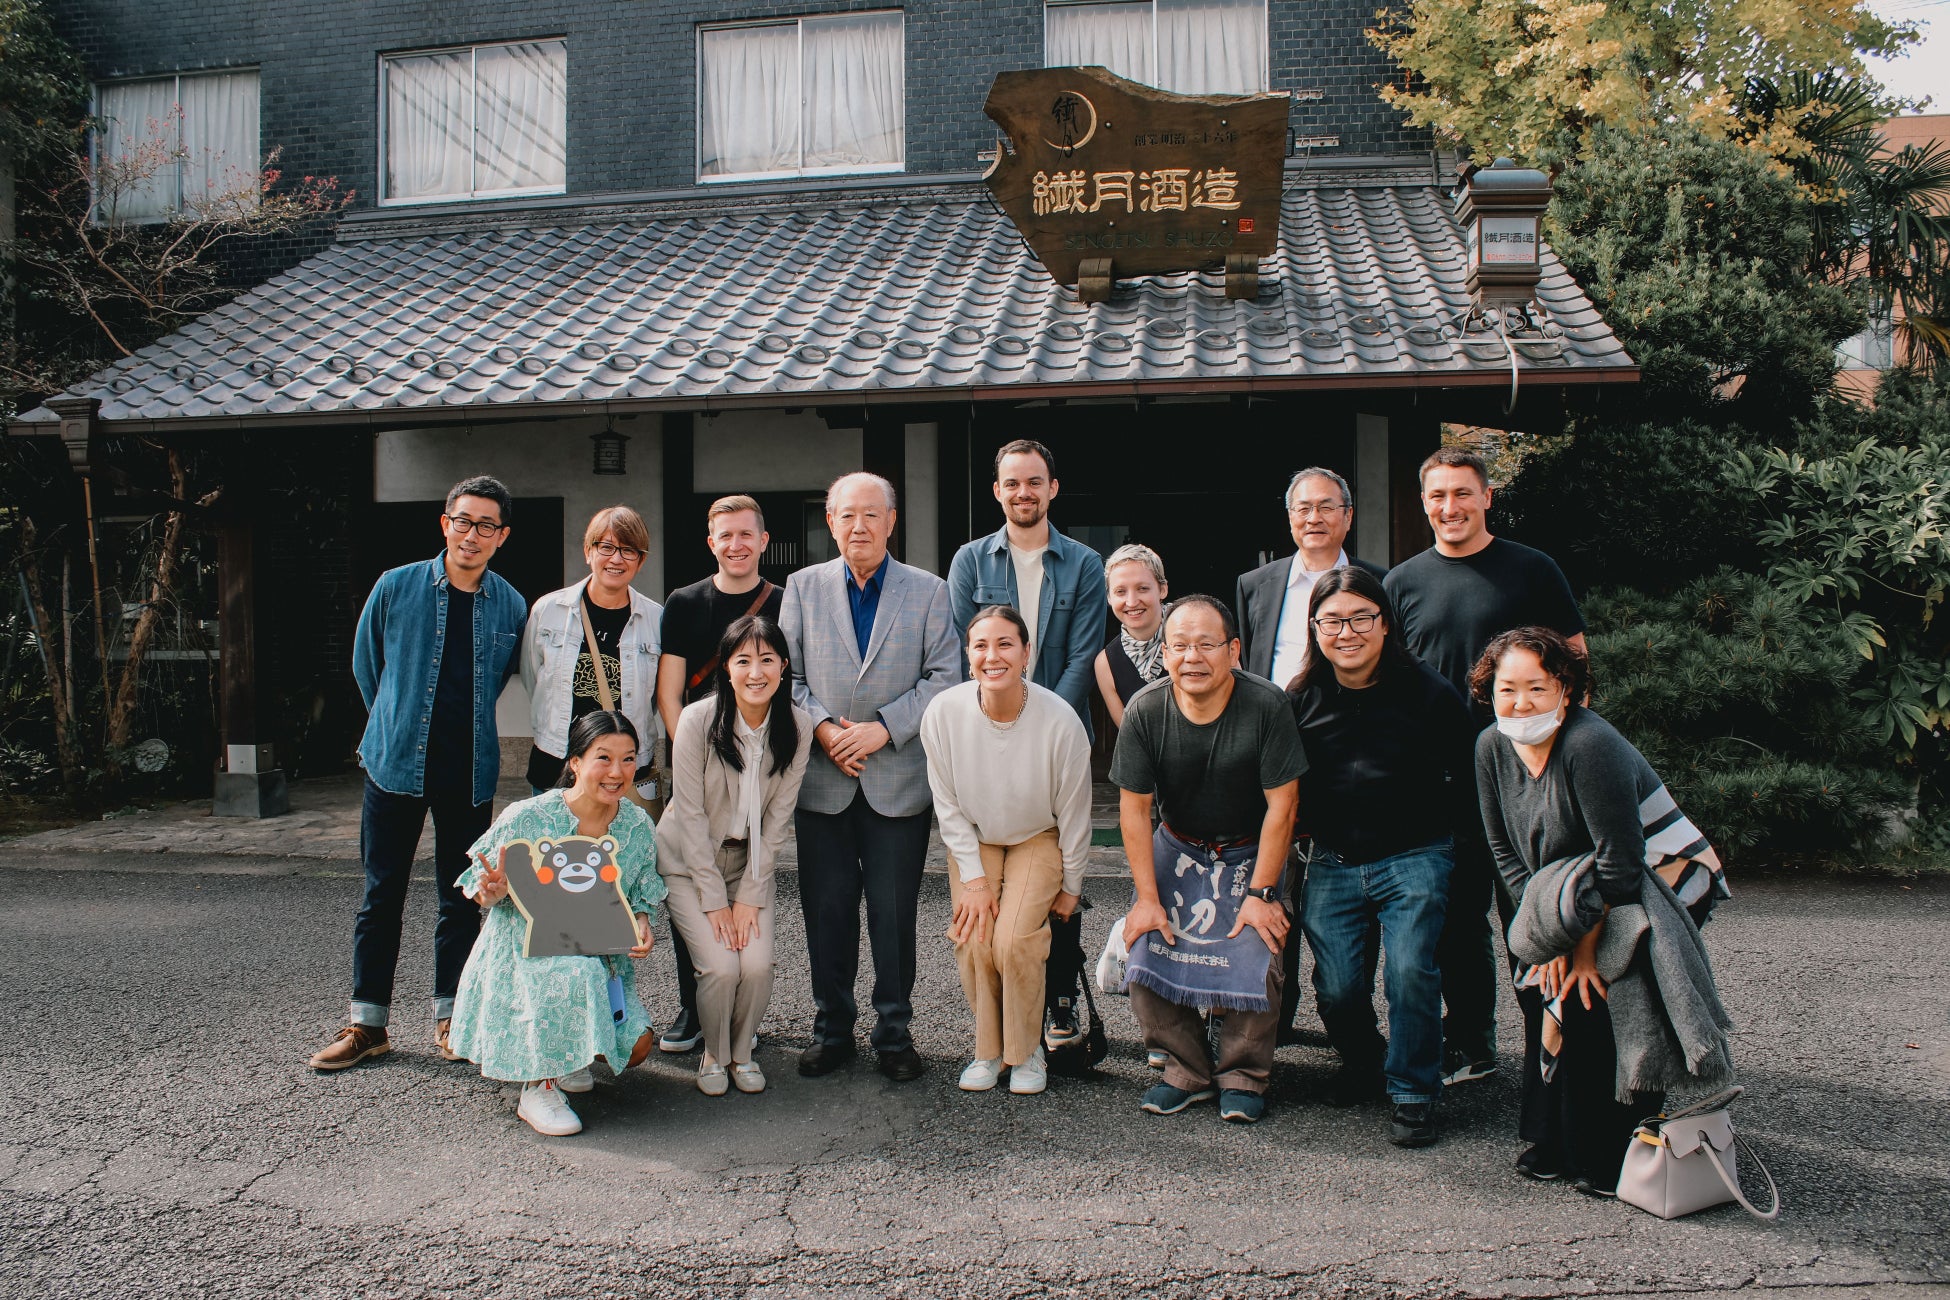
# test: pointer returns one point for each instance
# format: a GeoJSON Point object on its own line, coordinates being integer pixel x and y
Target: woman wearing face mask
{"type": "Point", "coordinates": [540, 1021]}
{"type": "Point", "coordinates": [1009, 766]}
{"type": "Point", "coordinates": [1134, 578]}
{"type": "Point", "coordinates": [1388, 745]}
{"type": "Point", "coordinates": [736, 764]}
{"type": "Point", "coordinates": [1556, 781]}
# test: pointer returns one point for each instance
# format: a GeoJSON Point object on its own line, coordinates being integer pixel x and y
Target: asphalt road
{"type": "Point", "coordinates": [160, 1134]}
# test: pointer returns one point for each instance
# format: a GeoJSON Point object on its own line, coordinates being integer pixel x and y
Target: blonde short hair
{"type": "Point", "coordinates": [732, 505]}
{"type": "Point", "coordinates": [1135, 553]}
{"type": "Point", "coordinates": [625, 524]}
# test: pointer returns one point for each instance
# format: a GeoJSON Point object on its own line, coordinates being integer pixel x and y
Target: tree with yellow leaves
{"type": "Point", "coordinates": [1527, 78]}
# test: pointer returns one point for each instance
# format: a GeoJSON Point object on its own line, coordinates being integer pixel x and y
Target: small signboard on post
{"type": "Point", "coordinates": [1105, 176]}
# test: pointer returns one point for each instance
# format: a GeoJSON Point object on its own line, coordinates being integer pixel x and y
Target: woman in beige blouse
{"type": "Point", "coordinates": [735, 768]}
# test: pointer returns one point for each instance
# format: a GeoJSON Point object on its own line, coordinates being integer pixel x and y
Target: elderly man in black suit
{"type": "Point", "coordinates": [1274, 636]}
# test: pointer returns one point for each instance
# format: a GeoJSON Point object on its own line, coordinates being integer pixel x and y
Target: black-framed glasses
{"type": "Point", "coordinates": [609, 550]}
{"type": "Point", "coordinates": [461, 525]}
{"type": "Point", "coordinates": [1333, 626]}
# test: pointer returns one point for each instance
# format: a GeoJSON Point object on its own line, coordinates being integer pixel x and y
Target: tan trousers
{"type": "Point", "coordinates": [733, 988]}
{"type": "Point", "coordinates": [1246, 1041]}
{"type": "Point", "coordinates": [1003, 978]}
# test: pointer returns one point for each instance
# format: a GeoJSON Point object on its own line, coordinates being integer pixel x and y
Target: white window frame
{"type": "Point", "coordinates": [1265, 30]}
{"type": "Point", "coordinates": [473, 52]}
{"type": "Point", "coordinates": [176, 208]}
{"type": "Point", "coordinates": [798, 24]}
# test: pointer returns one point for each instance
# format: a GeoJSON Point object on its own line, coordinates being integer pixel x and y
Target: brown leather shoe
{"type": "Point", "coordinates": [642, 1049]}
{"type": "Point", "coordinates": [440, 1031]}
{"type": "Point", "coordinates": [353, 1044]}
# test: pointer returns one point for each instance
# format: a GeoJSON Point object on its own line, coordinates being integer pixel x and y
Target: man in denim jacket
{"type": "Point", "coordinates": [436, 642]}
{"type": "Point", "coordinates": [1064, 603]}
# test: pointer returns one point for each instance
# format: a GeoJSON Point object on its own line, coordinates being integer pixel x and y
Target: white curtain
{"type": "Point", "coordinates": [521, 116]}
{"type": "Point", "coordinates": [1114, 36]}
{"type": "Point", "coordinates": [138, 150]}
{"type": "Point", "coordinates": [429, 125]}
{"type": "Point", "coordinates": [748, 100]}
{"type": "Point", "coordinates": [854, 91]}
{"type": "Point", "coordinates": [221, 162]}
{"type": "Point", "coordinates": [1212, 47]}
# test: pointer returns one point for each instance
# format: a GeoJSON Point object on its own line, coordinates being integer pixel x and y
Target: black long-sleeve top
{"type": "Point", "coordinates": [1390, 764]}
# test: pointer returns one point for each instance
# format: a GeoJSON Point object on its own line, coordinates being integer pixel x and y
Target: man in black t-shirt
{"type": "Point", "coordinates": [1451, 600]}
{"type": "Point", "coordinates": [1216, 751]}
{"type": "Point", "coordinates": [694, 618]}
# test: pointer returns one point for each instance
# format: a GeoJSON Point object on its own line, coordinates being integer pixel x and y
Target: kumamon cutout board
{"type": "Point", "coordinates": [571, 892]}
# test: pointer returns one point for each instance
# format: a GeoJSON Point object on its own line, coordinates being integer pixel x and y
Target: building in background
{"type": "Point", "coordinates": [1864, 357]}
{"type": "Point", "coordinates": [656, 253]}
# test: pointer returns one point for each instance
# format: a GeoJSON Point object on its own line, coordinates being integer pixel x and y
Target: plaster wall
{"type": "Point", "coordinates": [540, 459]}
{"type": "Point", "coordinates": [770, 451]}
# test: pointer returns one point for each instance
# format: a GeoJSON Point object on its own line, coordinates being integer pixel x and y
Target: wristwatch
{"type": "Point", "coordinates": [1267, 894]}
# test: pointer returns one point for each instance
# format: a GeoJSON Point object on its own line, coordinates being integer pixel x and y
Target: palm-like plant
{"type": "Point", "coordinates": [1881, 219]}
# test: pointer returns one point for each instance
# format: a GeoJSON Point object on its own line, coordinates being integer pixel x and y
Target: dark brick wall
{"type": "Point", "coordinates": [632, 71]}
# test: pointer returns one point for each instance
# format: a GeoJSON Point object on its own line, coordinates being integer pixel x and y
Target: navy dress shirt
{"type": "Point", "coordinates": [865, 603]}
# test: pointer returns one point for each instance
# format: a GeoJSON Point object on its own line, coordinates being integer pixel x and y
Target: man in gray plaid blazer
{"type": "Point", "coordinates": [872, 642]}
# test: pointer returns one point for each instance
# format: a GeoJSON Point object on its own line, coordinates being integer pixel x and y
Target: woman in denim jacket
{"type": "Point", "coordinates": [556, 665]}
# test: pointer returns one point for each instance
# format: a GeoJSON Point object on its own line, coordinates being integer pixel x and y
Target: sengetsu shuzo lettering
{"type": "Point", "coordinates": [1165, 189]}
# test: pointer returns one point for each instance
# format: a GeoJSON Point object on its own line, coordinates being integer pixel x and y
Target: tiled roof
{"type": "Point", "coordinates": [899, 296]}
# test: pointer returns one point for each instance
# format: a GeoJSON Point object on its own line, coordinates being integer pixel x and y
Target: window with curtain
{"type": "Point", "coordinates": [476, 122]}
{"type": "Point", "coordinates": [175, 145]}
{"type": "Point", "coordinates": [1194, 47]}
{"type": "Point", "coordinates": [804, 97]}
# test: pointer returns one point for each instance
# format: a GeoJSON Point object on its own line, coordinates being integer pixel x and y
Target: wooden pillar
{"type": "Point", "coordinates": [683, 523]}
{"type": "Point", "coordinates": [883, 451]}
{"type": "Point", "coordinates": [1412, 437]}
{"type": "Point", "coordinates": [250, 783]}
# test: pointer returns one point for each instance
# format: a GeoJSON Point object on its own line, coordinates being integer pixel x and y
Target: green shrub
{"type": "Point", "coordinates": [1744, 704]}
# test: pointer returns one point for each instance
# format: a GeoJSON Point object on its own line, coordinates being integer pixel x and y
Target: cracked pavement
{"type": "Point", "coordinates": [162, 1136]}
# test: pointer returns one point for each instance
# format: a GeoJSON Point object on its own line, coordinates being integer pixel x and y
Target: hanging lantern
{"type": "Point", "coordinates": [1500, 208]}
{"type": "Point", "coordinates": [609, 450]}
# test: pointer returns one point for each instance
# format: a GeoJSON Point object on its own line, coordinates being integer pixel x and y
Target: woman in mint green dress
{"type": "Point", "coordinates": [540, 1021]}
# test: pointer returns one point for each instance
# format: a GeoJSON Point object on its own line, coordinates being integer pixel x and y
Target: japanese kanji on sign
{"type": "Point", "coordinates": [1107, 177]}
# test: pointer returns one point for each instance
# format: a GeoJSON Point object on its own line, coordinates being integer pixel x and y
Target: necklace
{"type": "Point", "coordinates": [982, 704]}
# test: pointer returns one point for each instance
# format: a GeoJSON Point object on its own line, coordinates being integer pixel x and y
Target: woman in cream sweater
{"type": "Point", "coordinates": [1009, 766]}
{"type": "Point", "coordinates": [735, 768]}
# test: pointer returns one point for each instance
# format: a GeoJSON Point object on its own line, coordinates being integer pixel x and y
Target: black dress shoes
{"type": "Point", "coordinates": [902, 1065]}
{"type": "Point", "coordinates": [824, 1058]}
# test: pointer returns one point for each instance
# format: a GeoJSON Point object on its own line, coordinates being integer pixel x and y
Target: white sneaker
{"type": "Point", "coordinates": [980, 1076]}
{"type": "Point", "coordinates": [1032, 1076]}
{"type": "Point", "coordinates": [546, 1110]}
{"type": "Point", "coordinates": [577, 1081]}
{"type": "Point", "coordinates": [748, 1077]}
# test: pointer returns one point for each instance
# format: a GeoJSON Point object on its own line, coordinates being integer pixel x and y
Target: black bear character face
{"type": "Point", "coordinates": [576, 865]}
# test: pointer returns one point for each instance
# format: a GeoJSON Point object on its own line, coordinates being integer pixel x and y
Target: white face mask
{"type": "Point", "coordinates": [1533, 730]}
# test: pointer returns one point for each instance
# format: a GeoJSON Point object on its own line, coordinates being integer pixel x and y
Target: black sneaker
{"type": "Point", "coordinates": [1465, 1067]}
{"type": "Point", "coordinates": [1412, 1124]}
{"type": "Point", "coordinates": [1351, 1086]}
{"type": "Point", "coordinates": [684, 1035]}
{"type": "Point", "coordinates": [1540, 1165]}
{"type": "Point", "coordinates": [1060, 1027]}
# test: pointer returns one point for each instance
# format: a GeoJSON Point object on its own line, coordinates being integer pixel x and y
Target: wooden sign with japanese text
{"type": "Point", "coordinates": [1098, 167]}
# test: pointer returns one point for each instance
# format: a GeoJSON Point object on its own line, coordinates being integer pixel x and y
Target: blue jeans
{"type": "Point", "coordinates": [1408, 895]}
{"type": "Point", "coordinates": [389, 835]}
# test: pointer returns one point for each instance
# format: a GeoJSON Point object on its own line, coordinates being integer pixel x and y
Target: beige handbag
{"type": "Point", "coordinates": [1684, 1162]}
{"type": "Point", "coordinates": [650, 803]}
